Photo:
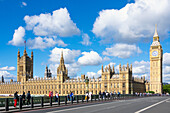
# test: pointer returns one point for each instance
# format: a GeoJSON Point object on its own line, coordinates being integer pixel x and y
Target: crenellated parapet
{"type": "Point", "coordinates": [139, 79]}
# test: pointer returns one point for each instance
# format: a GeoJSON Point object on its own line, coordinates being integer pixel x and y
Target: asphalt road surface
{"type": "Point", "coordinates": [138, 105]}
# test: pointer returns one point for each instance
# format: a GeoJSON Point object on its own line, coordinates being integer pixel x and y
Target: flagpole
{"type": "Point", "coordinates": [25, 44]}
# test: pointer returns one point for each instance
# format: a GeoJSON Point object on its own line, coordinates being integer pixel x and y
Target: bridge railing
{"type": "Point", "coordinates": [7, 104]}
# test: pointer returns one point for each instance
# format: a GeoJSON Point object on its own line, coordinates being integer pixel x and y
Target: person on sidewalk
{"type": "Point", "coordinates": [23, 98]}
{"type": "Point", "coordinates": [52, 94]}
{"type": "Point", "coordinates": [56, 96]}
{"type": "Point", "coordinates": [68, 97]}
{"type": "Point", "coordinates": [15, 98]}
{"type": "Point", "coordinates": [100, 94]}
{"type": "Point", "coordinates": [71, 95]}
{"type": "Point", "coordinates": [28, 97]}
{"type": "Point", "coordinates": [87, 96]}
{"type": "Point", "coordinates": [49, 94]}
{"type": "Point", "coordinates": [90, 95]}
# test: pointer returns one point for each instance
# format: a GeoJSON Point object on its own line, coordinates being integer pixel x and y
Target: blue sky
{"type": "Point", "coordinates": [90, 33]}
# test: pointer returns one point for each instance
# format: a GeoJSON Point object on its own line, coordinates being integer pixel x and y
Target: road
{"type": "Point", "coordinates": [138, 105]}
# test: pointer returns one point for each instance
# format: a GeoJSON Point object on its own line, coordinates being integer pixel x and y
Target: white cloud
{"type": "Point", "coordinates": [7, 76]}
{"type": "Point", "coordinates": [90, 58]}
{"type": "Point", "coordinates": [133, 22]}
{"type": "Point", "coordinates": [166, 78]}
{"type": "Point", "coordinates": [141, 67]}
{"type": "Point", "coordinates": [24, 4]}
{"type": "Point", "coordinates": [122, 50]}
{"type": "Point", "coordinates": [106, 58]}
{"type": "Point", "coordinates": [93, 74]}
{"type": "Point", "coordinates": [18, 37]}
{"type": "Point", "coordinates": [58, 23]}
{"type": "Point", "coordinates": [6, 68]}
{"type": "Point", "coordinates": [69, 55]}
{"type": "Point", "coordinates": [42, 43]}
{"type": "Point", "coordinates": [166, 58]}
{"type": "Point", "coordinates": [166, 70]}
{"type": "Point", "coordinates": [86, 40]}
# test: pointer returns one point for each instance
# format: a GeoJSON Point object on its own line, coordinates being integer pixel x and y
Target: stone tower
{"type": "Point", "coordinates": [62, 72]}
{"type": "Point", "coordinates": [106, 75]}
{"type": "Point", "coordinates": [156, 54]}
{"type": "Point", "coordinates": [2, 79]}
{"type": "Point", "coordinates": [47, 73]}
{"type": "Point", "coordinates": [24, 66]}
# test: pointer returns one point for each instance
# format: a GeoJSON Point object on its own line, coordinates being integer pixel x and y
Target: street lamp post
{"type": "Point", "coordinates": [87, 83]}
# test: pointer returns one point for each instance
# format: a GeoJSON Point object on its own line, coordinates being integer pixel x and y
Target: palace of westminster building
{"type": "Point", "coordinates": [109, 81]}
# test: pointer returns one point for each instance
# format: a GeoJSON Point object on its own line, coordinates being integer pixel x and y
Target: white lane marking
{"type": "Point", "coordinates": [80, 107]}
{"type": "Point", "coordinates": [91, 106]}
{"type": "Point", "coordinates": [151, 106]}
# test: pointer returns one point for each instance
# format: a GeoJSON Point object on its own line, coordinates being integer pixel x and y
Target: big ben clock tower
{"type": "Point", "coordinates": [156, 54]}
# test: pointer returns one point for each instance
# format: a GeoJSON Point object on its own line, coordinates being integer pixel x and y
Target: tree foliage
{"type": "Point", "coordinates": [166, 88]}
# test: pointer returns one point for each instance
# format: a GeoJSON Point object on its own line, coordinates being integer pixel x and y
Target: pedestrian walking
{"type": "Point", "coordinates": [71, 95]}
{"type": "Point", "coordinates": [100, 94]}
{"type": "Point", "coordinates": [104, 94]}
{"type": "Point", "coordinates": [87, 96]}
{"type": "Point", "coordinates": [52, 94]}
{"type": "Point", "coordinates": [118, 94]}
{"type": "Point", "coordinates": [15, 98]}
{"type": "Point", "coordinates": [56, 96]}
{"type": "Point", "coordinates": [23, 98]}
{"type": "Point", "coordinates": [68, 97]}
{"type": "Point", "coordinates": [49, 94]}
{"type": "Point", "coordinates": [28, 97]}
{"type": "Point", "coordinates": [90, 95]}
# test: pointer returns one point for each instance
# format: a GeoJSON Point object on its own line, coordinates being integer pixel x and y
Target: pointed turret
{"type": "Point", "coordinates": [32, 54]}
{"type": "Point", "coordinates": [2, 79]}
{"type": "Point", "coordinates": [18, 53]}
{"type": "Point", "coordinates": [113, 69]}
{"type": "Point", "coordinates": [109, 68]}
{"type": "Point", "coordinates": [127, 66]}
{"type": "Point", "coordinates": [62, 59]}
{"type": "Point", "coordinates": [131, 67]}
{"type": "Point", "coordinates": [156, 32]}
{"type": "Point", "coordinates": [102, 67]}
{"type": "Point", "coordinates": [25, 52]}
{"type": "Point", "coordinates": [119, 67]}
{"type": "Point", "coordinates": [155, 36]}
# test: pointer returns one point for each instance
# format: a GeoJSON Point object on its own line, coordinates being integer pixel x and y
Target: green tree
{"type": "Point", "coordinates": [166, 88]}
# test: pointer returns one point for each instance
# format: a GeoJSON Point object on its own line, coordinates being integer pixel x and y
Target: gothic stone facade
{"type": "Point", "coordinates": [110, 81]}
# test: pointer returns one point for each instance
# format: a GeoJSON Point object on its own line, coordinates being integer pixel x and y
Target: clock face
{"type": "Point", "coordinates": [154, 53]}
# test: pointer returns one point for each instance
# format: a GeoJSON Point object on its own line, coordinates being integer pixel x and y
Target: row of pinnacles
{"type": "Point", "coordinates": [111, 72]}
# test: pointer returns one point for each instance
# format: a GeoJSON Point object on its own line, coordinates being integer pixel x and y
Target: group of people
{"type": "Point", "coordinates": [23, 97]}
{"type": "Point", "coordinates": [69, 96]}
{"type": "Point", "coordinates": [88, 96]}
{"type": "Point", "coordinates": [107, 94]}
{"type": "Point", "coordinates": [142, 94]}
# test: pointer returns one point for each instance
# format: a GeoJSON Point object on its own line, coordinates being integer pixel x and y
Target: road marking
{"type": "Point", "coordinates": [111, 107]}
{"type": "Point", "coordinates": [86, 107]}
{"type": "Point", "coordinates": [151, 106]}
{"type": "Point", "coordinates": [80, 107]}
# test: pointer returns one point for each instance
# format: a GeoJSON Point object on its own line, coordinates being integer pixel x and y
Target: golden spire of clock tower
{"type": "Point", "coordinates": [156, 37]}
